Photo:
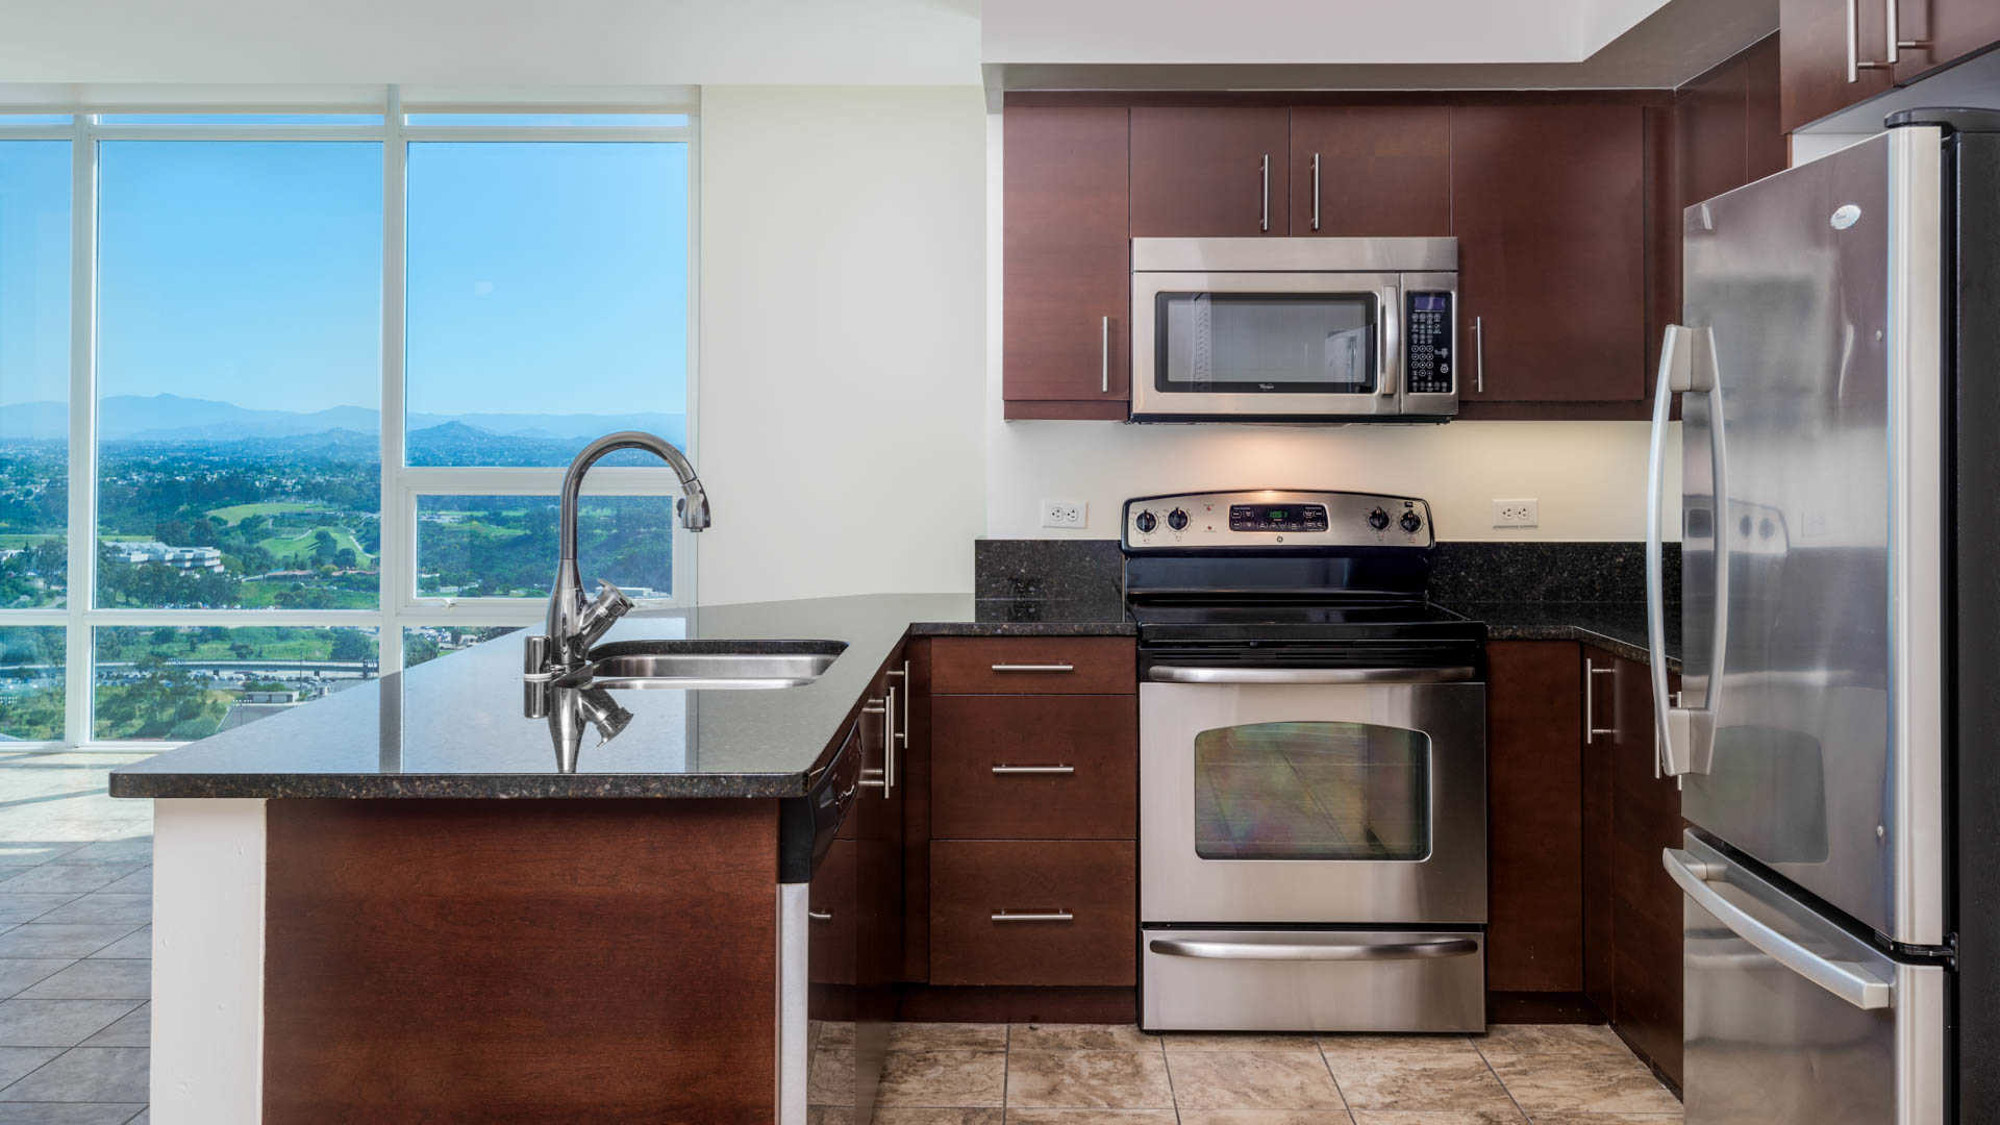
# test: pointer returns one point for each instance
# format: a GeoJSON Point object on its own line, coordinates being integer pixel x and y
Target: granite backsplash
{"type": "Point", "coordinates": [1462, 573]}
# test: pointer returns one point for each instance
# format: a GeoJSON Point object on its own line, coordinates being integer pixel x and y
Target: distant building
{"type": "Point", "coordinates": [180, 558]}
{"type": "Point", "coordinates": [265, 695]}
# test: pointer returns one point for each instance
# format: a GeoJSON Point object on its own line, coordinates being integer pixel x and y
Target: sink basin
{"type": "Point", "coordinates": [706, 665]}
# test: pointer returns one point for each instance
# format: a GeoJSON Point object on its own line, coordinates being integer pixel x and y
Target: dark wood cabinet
{"type": "Point", "coordinates": [1815, 49]}
{"type": "Point", "coordinates": [1370, 171]}
{"type": "Point", "coordinates": [1946, 29]}
{"type": "Point", "coordinates": [1535, 863]}
{"type": "Point", "coordinates": [1067, 267]}
{"type": "Point", "coordinates": [1209, 171]}
{"type": "Point", "coordinates": [1034, 666]}
{"type": "Point", "coordinates": [1034, 912]}
{"type": "Point", "coordinates": [1040, 767]}
{"type": "Point", "coordinates": [1549, 206]}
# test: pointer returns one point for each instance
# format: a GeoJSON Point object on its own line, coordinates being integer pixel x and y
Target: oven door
{"type": "Point", "coordinates": [1332, 796]}
{"type": "Point", "coordinates": [1265, 345]}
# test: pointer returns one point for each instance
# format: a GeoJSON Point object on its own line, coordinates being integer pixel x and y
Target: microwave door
{"type": "Point", "coordinates": [1265, 346]}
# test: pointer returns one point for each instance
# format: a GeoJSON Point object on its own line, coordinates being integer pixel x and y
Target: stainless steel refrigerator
{"type": "Point", "coordinates": [1839, 374]}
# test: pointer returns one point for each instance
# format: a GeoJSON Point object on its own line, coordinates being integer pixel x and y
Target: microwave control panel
{"type": "Point", "coordinates": [1427, 355]}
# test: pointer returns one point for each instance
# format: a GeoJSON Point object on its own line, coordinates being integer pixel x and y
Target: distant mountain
{"type": "Point", "coordinates": [174, 418]}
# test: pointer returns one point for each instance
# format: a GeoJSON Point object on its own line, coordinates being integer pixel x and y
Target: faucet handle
{"type": "Point", "coordinates": [602, 613]}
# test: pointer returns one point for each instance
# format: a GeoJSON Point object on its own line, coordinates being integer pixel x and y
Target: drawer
{"type": "Point", "coordinates": [1081, 896]}
{"type": "Point", "coordinates": [1029, 767]}
{"type": "Point", "coordinates": [1034, 665]}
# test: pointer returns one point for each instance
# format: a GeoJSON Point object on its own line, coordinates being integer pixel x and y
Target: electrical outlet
{"type": "Point", "coordinates": [1064, 513]}
{"type": "Point", "coordinates": [1517, 513]}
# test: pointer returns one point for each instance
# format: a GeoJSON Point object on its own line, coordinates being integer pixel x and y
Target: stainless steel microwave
{"type": "Point", "coordinates": [1294, 329]}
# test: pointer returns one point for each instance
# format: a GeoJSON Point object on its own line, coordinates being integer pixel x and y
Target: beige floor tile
{"type": "Point", "coordinates": [1088, 1080]}
{"type": "Point", "coordinates": [1607, 1119]}
{"type": "Point", "coordinates": [1236, 1041]}
{"type": "Point", "coordinates": [1267, 1117]}
{"type": "Point", "coordinates": [830, 1115]}
{"type": "Point", "coordinates": [1246, 1080]}
{"type": "Point", "coordinates": [1513, 1040]}
{"type": "Point", "coordinates": [948, 1037]}
{"type": "Point", "coordinates": [943, 1078]}
{"type": "Point", "coordinates": [1434, 1079]}
{"type": "Point", "coordinates": [1367, 1046]}
{"type": "Point", "coordinates": [1439, 1117]}
{"type": "Point", "coordinates": [836, 1033]}
{"type": "Point", "coordinates": [1093, 1117]}
{"type": "Point", "coordinates": [921, 1115]}
{"type": "Point", "coordinates": [1079, 1037]}
{"type": "Point", "coordinates": [1584, 1083]}
{"type": "Point", "coordinates": [830, 1078]}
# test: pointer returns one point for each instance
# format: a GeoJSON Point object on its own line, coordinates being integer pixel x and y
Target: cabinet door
{"type": "Point", "coordinates": [1548, 203]}
{"type": "Point", "coordinates": [1645, 902]}
{"type": "Point", "coordinates": [1535, 937]}
{"type": "Point", "coordinates": [1067, 263]}
{"type": "Point", "coordinates": [1814, 45]}
{"type": "Point", "coordinates": [1371, 171]}
{"type": "Point", "coordinates": [1208, 172]}
{"type": "Point", "coordinates": [1948, 30]}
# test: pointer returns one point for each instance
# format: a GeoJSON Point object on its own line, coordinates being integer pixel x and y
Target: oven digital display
{"type": "Point", "coordinates": [1277, 517]}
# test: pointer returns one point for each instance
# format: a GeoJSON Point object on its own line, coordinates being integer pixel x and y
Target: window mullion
{"type": "Point", "coordinates": [78, 672]}
{"type": "Point", "coordinates": [397, 565]}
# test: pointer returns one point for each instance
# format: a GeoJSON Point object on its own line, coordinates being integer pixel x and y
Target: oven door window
{"type": "Point", "coordinates": [1266, 343]}
{"type": "Point", "coordinates": [1312, 790]}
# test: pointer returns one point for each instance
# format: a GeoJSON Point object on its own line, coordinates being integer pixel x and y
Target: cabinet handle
{"type": "Point", "coordinates": [1855, 63]}
{"type": "Point", "coordinates": [1264, 223]}
{"type": "Point", "coordinates": [884, 778]}
{"type": "Point", "coordinates": [1590, 728]}
{"type": "Point", "coordinates": [1478, 355]}
{"type": "Point", "coordinates": [1011, 770]}
{"type": "Point", "coordinates": [1898, 44]}
{"type": "Point", "coordinates": [903, 728]}
{"type": "Point", "coordinates": [1315, 191]}
{"type": "Point", "coordinates": [1043, 669]}
{"type": "Point", "coordinates": [820, 915]}
{"type": "Point", "coordinates": [1034, 916]}
{"type": "Point", "coordinates": [1104, 356]}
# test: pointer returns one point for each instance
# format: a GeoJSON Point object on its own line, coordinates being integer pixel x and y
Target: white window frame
{"type": "Point", "coordinates": [399, 607]}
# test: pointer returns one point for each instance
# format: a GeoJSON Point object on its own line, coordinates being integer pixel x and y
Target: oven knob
{"type": "Point", "coordinates": [1378, 519]}
{"type": "Point", "coordinates": [1412, 522]}
{"type": "Point", "coordinates": [1146, 522]}
{"type": "Point", "coordinates": [1177, 519]}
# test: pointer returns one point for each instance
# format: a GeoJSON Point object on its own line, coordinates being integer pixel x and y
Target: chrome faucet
{"type": "Point", "coordinates": [575, 624]}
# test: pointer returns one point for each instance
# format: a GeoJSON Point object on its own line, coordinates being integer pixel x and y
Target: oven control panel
{"type": "Point", "coordinates": [1267, 519]}
{"type": "Point", "coordinates": [1427, 358]}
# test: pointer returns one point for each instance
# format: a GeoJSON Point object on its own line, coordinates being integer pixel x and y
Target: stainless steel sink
{"type": "Point", "coordinates": [706, 665]}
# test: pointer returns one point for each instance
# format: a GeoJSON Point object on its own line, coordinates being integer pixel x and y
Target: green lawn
{"type": "Point", "coordinates": [12, 539]}
{"type": "Point", "coordinates": [284, 546]}
{"type": "Point", "coordinates": [237, 513]}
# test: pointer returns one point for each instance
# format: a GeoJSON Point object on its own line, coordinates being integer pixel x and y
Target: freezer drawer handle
{"type": "Point", "coordinates": [1176, 674]}
{"type": "Point", "coordinates": [1844, 979]}
{"type": "Point", "coordinates": [1344, 951]}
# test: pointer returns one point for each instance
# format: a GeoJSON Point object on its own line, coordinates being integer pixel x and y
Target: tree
{"type": "Point", "coordinates": [349, 644]}
{"type": "Point", "coordinates": [324, 546]}
{"type": "Point", "coordinates": [344, 559]}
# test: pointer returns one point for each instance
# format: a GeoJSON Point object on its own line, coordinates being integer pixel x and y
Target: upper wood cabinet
{"type": "Point", "coordinates": [1941, 31]}
{"type": "Point", "coordinates": [1549, 206]}
{"type": "Point", "coordinates": [1067, 266]}
{"type": "Point", "coordinates": [1815, 43]}
{"type": "Point", "coordinates": [1209, 172]}
{"type": "Point", "coordinates": [1371, 171]}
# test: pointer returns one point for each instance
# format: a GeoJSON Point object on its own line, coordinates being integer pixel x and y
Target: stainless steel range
{"type": "Point", "coordinates": [1312, 767]}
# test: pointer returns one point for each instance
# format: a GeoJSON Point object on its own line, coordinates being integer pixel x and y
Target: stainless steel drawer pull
{"type": "Point", "coordinates": [1315, 191]}
{"type": "Point", "coordinates": [1306, 951]}
{"type": "Point", "coordinates": [1034, 916]}
{"type": "Point", "coordinates": [1590, 728]}
{"type": "Point", "coordinates": [820, 915]}
{"type": "Point", "coordinates": [1033, 769]}
{"type": "Point", "coordinates": [1848, 980]}
{"type": "Point", "coordinates": [1175, 674]}
{"type": "Point", "coordinates": [1264, 223]}
{"type": "Point", "coordinates": [1104, 356]}
{"type": "Point", "coordinates": [1034, 669]}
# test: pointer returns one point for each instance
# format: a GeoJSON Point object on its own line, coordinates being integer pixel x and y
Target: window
{"type": "Point", "coordinates": [338, 363]}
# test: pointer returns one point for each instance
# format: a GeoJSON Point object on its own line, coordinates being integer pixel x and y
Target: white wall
{"type": "Point", "coordinates": [841, 335]}
{"type": "Point", "coordinates": [1589, 476]}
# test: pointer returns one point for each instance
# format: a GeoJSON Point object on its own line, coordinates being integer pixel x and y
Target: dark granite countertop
{"type": "Point", "coordinates": [454, 727]}
{"type": "Point", "coordinates": [1616, 627]}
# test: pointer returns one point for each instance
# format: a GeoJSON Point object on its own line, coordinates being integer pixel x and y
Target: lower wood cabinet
{"type": "Point", "coordinates": [1034, 912]}
{"type": "Point", "coordinates": [1534, 777]}
{"type": "Point", "coordinates": [1036, 767]}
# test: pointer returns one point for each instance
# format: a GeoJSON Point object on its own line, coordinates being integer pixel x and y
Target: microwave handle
{"type": "Point", "coordinates": [1388, 366]}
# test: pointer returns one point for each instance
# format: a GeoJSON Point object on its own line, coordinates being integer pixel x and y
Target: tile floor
{"type": "Point", "coordinates": [76, 895]}
{"type": "Point", "coordinates": [1025, 1074]}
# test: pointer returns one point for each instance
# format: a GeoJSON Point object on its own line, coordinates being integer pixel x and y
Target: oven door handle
{"type": "Point", "coordinates": [1184, 674]}
{"type": "Point", "coordinates": [1313, 951]}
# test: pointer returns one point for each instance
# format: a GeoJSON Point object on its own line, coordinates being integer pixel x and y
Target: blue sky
{"type": "Point", "coordinates": [542, 278]}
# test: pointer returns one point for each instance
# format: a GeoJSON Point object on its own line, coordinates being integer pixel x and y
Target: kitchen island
{"type": "Point", "coordinates": [392, 904]}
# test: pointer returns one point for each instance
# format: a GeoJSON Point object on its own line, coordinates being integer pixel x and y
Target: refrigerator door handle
{"type": "Point", "coordinates": [1686, 734]}
{"type": "Point", "coordinates": [1847, 980]}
